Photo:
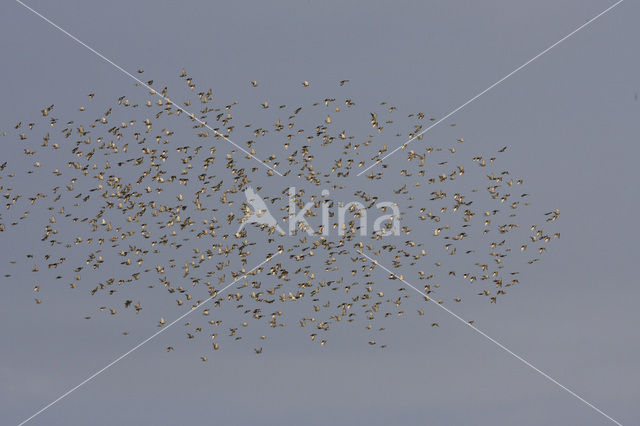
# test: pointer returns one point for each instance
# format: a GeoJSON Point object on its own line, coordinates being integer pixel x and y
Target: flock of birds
{"type": "Point", "coordinates": [124, 204]}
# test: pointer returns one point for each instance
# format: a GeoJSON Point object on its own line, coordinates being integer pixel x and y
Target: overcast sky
{"type": "Point", "coordinates": [570, 120]}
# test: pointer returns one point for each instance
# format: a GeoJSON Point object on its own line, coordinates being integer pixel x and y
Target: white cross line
{"type": "Point", "coordinates": [124, 355]}
{"type": "Point", "coordinates": [153, 91]}
{"type": "Point", "coordinates": [379, 161]}
{"type": "Point", "coordinates": [375, 262]}
{"type": "Point", "coordinates": [491, 339]}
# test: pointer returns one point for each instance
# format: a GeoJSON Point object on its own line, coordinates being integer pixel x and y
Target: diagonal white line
{"type": "Point", "coordinates": [491, 339]}
{"type": "Point", "coordinates": [491, 87]}
{"type": "Point", "coordinates": [142, 83]}
{"type": "Point", "coordinates": [124, 355]}
{"type": "Point", "coordinates": [375, 262]}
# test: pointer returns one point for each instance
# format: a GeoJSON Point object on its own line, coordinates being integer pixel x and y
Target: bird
{"type": "Point", "coordinates": [138, 205]}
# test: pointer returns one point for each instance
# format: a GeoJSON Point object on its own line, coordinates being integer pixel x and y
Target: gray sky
{"type": "Point", "coordinates": [569, 119]}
